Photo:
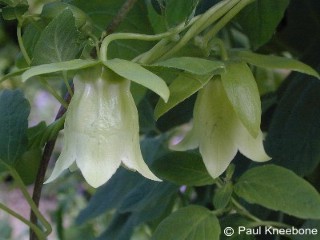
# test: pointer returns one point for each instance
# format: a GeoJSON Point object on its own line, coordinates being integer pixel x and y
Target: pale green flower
{"type": "Point", "coordinates": [101, 129]}
{"type": "Point", "coordinates": [218, 131]}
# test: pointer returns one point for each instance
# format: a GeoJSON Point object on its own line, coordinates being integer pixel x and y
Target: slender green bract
{"type": "Point", "coordinates": [193, 65]}
{"type": "Point", "coordinates": [275, 62]}
{"type": "Point", "coordinates": [134, 72]}
{"type": "Point", "coordinates": [243, 94]}
{"type": "Point", "coordinates": [75, 64]}
{"type": "Point", "coordinates": [180, 89]}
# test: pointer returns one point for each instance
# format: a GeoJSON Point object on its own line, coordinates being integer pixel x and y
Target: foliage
{"type": "Point", "coordinates": [233, 65]}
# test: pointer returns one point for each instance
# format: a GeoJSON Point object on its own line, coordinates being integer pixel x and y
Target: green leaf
{"type": "Point", "coordinates": [59, 41]}
{"type": "Point", "coordinates": [136, 21]}
{"type": "Point", "coordinates": [180, 89]}
{"type": "Point", "coordinates": [31, 33]}
{"type": "Point", "coordinates": [301, 19]}
{"type": "Point", "coordinates": [310, 224]}
{"type": "Point", "coordinates": [5, 229]}
{"type": "Point", "coordinates": [193, 65]}
{"type": "Point", "coordinates": [234, 221]}
{"type": "Point", "coordinates": [140, 75]}
{"type": "Point", "coordinates": [102, 12]}
{"type": "Point", "coordinates": [154, 206]}
{"type": "Point", "coordinates": [293, 139]}
{"type": "Point", "coordinates": [279, 189]}
{"type": "Point", "coordinates": [182, 168]}
{"type": "Point", "coordinates": [165, 14]}
{"type": "Point", "coordinates": [192, 223]}
{"type": "Point", "coordinates": [11, 13]}
{"type": "Point", "coordinates": [273, 62]}
{"type": "Point", "coordinates": [13, 3]}
{"type": "Point", "coordinates": [178, 11]}
{"type": "Point", "coordinates": [58, 67]}
{"type": "Point", "coordinates": [121, 227]}
{"type": "Point", "coordinates": [260, 19]}
{"type": "Point", "coordinates": [106, 198]}
{"type": "Point", "coordinates": [147, 194]}
{"type": "Point", "coordinates": [146, 120]}
{"type": "Point", "coordinates": [157, 21]}
{"type": "Point", "coordinates": [52, 9]}
{"type": "Point", "coordinates": [28, 165]}
{"type": "Point", "coordinates": [14, 109]}
{"type": "Point", "coordinates": [243, 93]}
{"type": "Point", "coordinates": [222, 196]}
{"type": "Point", "coordinates": [35, 135]}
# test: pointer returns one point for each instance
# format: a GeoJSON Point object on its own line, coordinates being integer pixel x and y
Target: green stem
{"type": "Point", "coordinates": [219, 212]}
{"type": "Point", "coordinates": [257, 222]}
{"type": "Point", "coordinates": [243, 211]}
{"type": "Point", "coordinates": [21, 44]}
{"type": "Point", "coordinates": [28, 198]}
{"type": "Point", "coordinates": [65, 79]}
{"type": "Point", "coordinates": [54, 93]}
{"type": "Point", "coordinates": [225, 19]}
{"type": "Point", "coordinates": [34, 227]}
{"type": "Point", "coordinates": [96, 43]}
{"type": "Point", "coordinates": [219, 182]}
{"type": "Point", "coordinates": [117, 36]}
{"type": "Point", "coordinates": [152, 53]}
{"type": "Point", "coordinates": [204, 21]}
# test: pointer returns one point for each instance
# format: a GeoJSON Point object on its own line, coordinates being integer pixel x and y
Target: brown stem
{"type": "Point", "coordinates": [122, 13]}
{"type": "Point", "coordinates": [47, 152]}
{"type": "Point", "coordinates": [48, 149]}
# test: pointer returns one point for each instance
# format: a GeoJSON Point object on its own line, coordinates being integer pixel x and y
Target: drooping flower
{"type": "Point", "coordinates": [101, 128]}
{"type": "Point", "coordinates": [218, 131]}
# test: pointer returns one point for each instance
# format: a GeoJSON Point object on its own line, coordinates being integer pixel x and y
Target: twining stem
{"type": "Point", "coordinates": [21, 44]}
{"type": "Point", "coordinates": [34, 227]}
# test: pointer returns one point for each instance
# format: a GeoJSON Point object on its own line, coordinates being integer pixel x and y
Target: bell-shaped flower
{"type": "Point", "coordinates": [101, 128]}
{"type": "Point", "coordinates": [218, 131]}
